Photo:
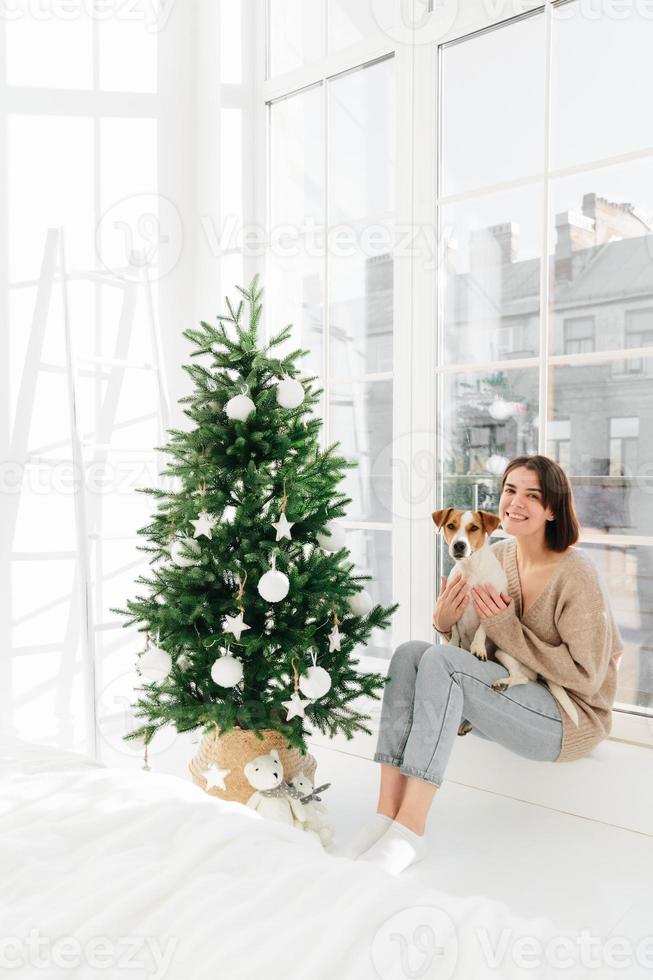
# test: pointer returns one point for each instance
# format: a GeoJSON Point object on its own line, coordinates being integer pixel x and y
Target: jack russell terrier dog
{"type": "Point", "coordinates": [467, 533]}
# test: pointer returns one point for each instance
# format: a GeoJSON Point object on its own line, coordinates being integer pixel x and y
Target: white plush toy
{"type": "Point", "coordinates": [272, 797]}
{"type": "Point", "coordinates": [314, 809]}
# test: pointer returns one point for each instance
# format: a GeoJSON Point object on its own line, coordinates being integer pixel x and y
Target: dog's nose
{"type": "Point", "coordinates": [458, 547]}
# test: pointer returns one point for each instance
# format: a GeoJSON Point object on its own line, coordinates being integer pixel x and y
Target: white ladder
{"type": "Point", "coordinates": [129, 280]}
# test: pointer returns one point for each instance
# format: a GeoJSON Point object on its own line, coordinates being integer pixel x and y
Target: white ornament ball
{"type": "Point", "coordinates": [155, 664]}
{"type": "Point", "coordinates": [333, 539]}
{"type": "Point", "coordinates": [290, 393]}
{"type": "Point", "coordinates": [315, 683]}
{"type": "Point", "coordinates": [227, 671]}
{"type": "Point", "coordinates": [273, 586]}
{"type": "Point", "coordinates": [177, 551]}
{"type": "Point", "coordinates": [501, 409]}
{"type": "Point", "coordinates": [361, 603]}
{"type": "Point", "coordinates": [239, 407]}
{"type": "Point", "coordinates": [496, 464]}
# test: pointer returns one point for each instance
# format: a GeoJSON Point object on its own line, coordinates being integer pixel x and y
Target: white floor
{"type": "Point", "coordinates": [581, 874]}
{"type": "Point", "coordinates": [577, 872]}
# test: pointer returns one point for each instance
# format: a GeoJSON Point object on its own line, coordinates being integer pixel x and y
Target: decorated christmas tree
{"type": "Point", "coordinates": [251, 612]}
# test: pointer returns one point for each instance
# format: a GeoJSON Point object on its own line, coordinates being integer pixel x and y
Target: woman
{"type": "Point", "coordinates": [556, 618]}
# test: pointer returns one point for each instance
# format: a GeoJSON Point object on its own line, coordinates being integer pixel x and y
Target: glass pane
{"type": "Point", "coordinates": [349, 23]}
{"type": "Point", "coordinates": [111, 341]}
{"type": "Point", "coordinates": [603, 260]}
{"type": "Point", "coordinates": [123, 175]}
{"type": "Point", "coordinates": [360, 208]}
{"type": "Point", "coordinates": [128, 43]}
{"type": "Point", "coordinates": [361, 421]}
{"type": "Point", "coordinates": [360, 315]}
{"type": "Point", "coordinates": [295, 264]}
{"type": "Point", "coordinates": [21, 304]}
{"type": "Point", "coordinates": [50, 46]}
{"type": "Point", "coordinates": [129, 423]}
{"type": "Point", "coordinates": [628, 577]}
{"type": "Point", "coordinates": [113, 494]}
{"type": "Point", "coordinates": [606, 444]}
{"type": "Point", "coordinates": [297, 163]}
{"type": "Point", "coordinates": [115, 343]}
{"type": "Point", "coordinates": [50, 183]}
{"type": "Point", "coordinates": [361, 144]}
{"type": "Point", "coordinates": [597, 114]}
{"type": "Point", "coordinates": [486, 420]}
{"type": "Point", "coordinates": [45, 700]}
{"type": "Point", "coordinates": [371, 552]}
{"type": "Point", "coordinates": [43, 600]}
{"type": "Point", "coordinates": [491, 268]}
{"type": "Point", "coordinates": [48, 423]}
{"type": "Point", "coordinates": [296, 33]}
{"type": "Point", "coordinates": [134, 215]}
{"type": "Point", "coordinates": [492, 126]}
{"type": "Point", "coordinates": [295, 294]}
{"type": "Point", "coordinates": [46, 516]}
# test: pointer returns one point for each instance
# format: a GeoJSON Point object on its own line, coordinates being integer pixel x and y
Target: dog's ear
{"type": "Point", "coordinates": [440, 516]}
{"type": "Point", "coordinates": [489, 522]}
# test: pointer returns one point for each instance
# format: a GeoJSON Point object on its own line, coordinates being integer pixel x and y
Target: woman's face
{"type": "Point", "coordinates": [520, 507]}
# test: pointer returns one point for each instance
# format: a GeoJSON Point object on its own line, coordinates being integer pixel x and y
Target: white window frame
{"type": "Point", "coordinates": [417, 309]}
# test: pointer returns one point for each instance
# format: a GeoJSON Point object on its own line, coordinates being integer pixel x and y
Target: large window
{"type": "Point", "coordinates": [543, 222]}
{"type": "Point", "coordinates": [527, 324]}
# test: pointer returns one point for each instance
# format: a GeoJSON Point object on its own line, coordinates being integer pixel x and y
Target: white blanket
{"type": "Point", "coordinates": [125, 873]}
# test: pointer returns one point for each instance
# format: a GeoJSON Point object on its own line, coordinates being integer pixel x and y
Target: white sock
{"type": "Point", "coordinates": [397, 849]}
{"type": "Point", "coordinates": [366, 836]}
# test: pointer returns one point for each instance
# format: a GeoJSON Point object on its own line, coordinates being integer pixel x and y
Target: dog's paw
{"type": "Point", "coordinates": [464, 728]}
{"type": "Point", "coordinates": [501, 685]}
{"type": "Point", "coordinates": [479, 652]}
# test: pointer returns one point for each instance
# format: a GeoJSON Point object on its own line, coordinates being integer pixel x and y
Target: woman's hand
{"type": "Point", "coordinates": [451, 604]}
{"type": "Point", "coordinates": [488, 602]}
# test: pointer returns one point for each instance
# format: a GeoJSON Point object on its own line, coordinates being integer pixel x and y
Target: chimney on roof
{"type": "Point", "coordinates": [496, 245]}
{"type": "Point", "coordinates": [574, 233]}
{"type": "Point", "coordinates": [600, 221]}
{"type": "Point", "coordinates": [613, 220]}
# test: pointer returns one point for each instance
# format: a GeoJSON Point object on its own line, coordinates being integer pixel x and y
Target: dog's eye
{"type": "Point", "coordinates": [473, 528]}
{"type": "Point", "coordinates": [451, 527]}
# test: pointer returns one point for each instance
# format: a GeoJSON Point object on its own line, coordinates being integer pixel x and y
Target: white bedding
{"type": "Point", "coordinates": [183, 886]}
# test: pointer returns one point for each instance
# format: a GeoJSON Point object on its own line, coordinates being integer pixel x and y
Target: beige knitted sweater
{"type": "Point", "coordinates": [568, 636]}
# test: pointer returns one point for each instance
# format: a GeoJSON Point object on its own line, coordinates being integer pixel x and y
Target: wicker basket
{"type": "Point", "coordinates": [237, 747]}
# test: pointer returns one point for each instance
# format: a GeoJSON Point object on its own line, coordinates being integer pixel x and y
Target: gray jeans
{"type": "Point", "coordinates": [433, 688]}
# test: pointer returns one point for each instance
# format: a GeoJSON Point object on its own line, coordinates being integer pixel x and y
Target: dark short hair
{"type": "Point", "coordinates": [557, 494]}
